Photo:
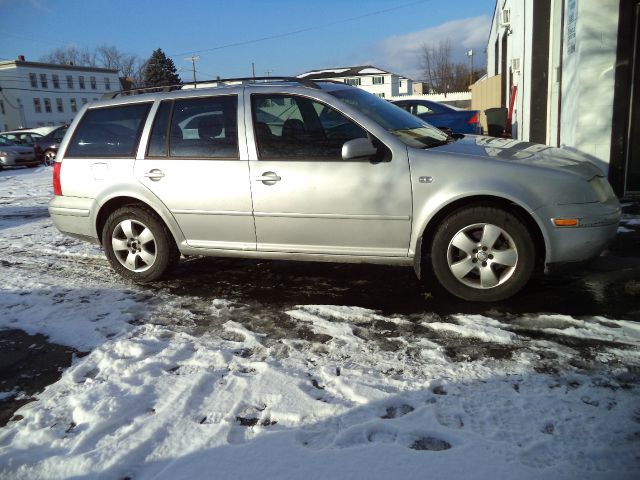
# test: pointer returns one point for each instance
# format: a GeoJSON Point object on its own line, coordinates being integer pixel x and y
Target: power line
{"type": "Point", "coordinates": [302, 30]}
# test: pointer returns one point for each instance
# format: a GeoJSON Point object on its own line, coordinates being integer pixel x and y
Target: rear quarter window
{"type": "Point", "coordinates": [109, 131]}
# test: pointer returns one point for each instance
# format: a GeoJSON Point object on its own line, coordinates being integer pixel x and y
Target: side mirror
{"type": "Point", "coordinates": [358, 148]}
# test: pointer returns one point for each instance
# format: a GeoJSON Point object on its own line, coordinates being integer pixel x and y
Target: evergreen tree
{"type": "Point", "coordinates": [160, 71]}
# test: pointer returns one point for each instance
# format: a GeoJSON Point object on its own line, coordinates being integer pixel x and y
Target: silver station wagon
{"type": "Point", "coordinates": [320, 171]}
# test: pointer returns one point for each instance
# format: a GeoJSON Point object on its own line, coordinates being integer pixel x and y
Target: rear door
{"type": "Point", "coordinates": [194, 165]}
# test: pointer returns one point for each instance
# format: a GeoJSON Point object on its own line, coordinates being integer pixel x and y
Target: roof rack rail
{"type": "Point", "coordinates": [303, 81]}
{"type": "Point", "coordinates": [169, 88]}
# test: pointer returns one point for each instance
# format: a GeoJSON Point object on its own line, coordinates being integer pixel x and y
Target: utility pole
{"type": "Point", "coordinates": [253, 69]}
{"type": "Point", "coordinates": [193, 59]}
{"type": "Point", "coordinates": [470, 55]}
{"type": "Point", "coordinates": [268, 72]}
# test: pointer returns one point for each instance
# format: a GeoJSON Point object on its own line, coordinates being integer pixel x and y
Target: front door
{"type": "Point", "coordinates": [194, 167]}
{"type": "Point", "coordinates": [633, 149]}
{"type": "Point", "coordinates": [307, 199]}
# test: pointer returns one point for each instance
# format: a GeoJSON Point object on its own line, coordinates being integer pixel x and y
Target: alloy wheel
{"type": "Point", "coordinates": [482, 256]}
{"type": "Point", "coordinates": [134, 245]}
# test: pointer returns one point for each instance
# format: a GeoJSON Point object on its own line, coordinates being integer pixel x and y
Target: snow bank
{"type": "Point", "coordinates": [155, 403]}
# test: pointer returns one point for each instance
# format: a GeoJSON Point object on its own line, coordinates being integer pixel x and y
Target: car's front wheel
{"type": "Point", "coordinates": [483, 254]}
{"type": "Point", "coordinates": [137, 244]}
{"type": "Point", "coordinates": [49, 157]}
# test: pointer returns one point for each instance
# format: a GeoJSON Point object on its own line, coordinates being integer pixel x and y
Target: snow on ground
{"type": "Point", "coordinates": [158, 396]}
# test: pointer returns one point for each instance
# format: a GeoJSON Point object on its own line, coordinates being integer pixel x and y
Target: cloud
{"type": "Point", "coordinates": [35, 4]}
{"type": "Point", "coordinates": [402, 53]}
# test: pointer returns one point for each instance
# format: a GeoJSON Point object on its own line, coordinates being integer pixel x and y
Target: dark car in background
{"type": "Point", "coordinates": [449, 119]}
{"type": "Point", "coordinates": [50, 142]}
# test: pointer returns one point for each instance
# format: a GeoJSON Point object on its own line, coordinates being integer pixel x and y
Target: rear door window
{"type": "Point", "coordinates": [109, 131]}
{"type": "Point", "coordinates": [196, 128]}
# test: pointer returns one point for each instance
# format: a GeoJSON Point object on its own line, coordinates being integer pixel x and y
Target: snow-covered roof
{"type": "Point", "coordinates": [341, 72]}
{"type": "Point", "coordinates": [369, 70]}
{"type": "Point", "coordinates": [318, 72]}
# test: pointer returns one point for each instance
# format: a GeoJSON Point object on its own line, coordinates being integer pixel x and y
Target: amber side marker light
{"type": "Point", "coordinates": [565, 222]}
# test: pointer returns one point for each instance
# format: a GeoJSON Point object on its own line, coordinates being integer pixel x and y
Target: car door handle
{"type": "Point", "coordinates": [154, 174]}
{"type": "Point", "coordinates": [268, 178]}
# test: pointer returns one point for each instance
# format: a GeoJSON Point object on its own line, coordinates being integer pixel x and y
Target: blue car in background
{"type": "Point", "coordinates": [449, 119]}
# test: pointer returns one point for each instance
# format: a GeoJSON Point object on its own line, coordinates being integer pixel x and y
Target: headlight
{"type": "Point", "coordinates": [602, 188]}
{"type": "Point", "coordinates": [4, 154]}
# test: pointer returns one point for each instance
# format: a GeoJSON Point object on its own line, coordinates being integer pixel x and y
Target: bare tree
{"type": "Point", "coordinates": [438, 66]}
{"type": "Point", "coordinates": [105, 56]}
{"type": "Point", "coordinates": [111, 57]}
{"type": "Point", "coordinates": [441, 73]}
{"type": "Point", "coordinates": [71, 56]}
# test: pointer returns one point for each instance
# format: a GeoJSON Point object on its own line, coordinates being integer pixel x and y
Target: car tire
{"type": "Point", "coordinates": [483, 254]}
{"type": "Point", "coordinates": [138, 244]}
{"type": "Point", "coordinates": [49, 157]}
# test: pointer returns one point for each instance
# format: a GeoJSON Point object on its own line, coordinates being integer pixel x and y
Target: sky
{"type": "Point", "coordinates": [281, 37]}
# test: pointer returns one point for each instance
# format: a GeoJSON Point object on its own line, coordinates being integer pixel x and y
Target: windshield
{"type": "Point", "coordinates": [411, 130]}
{"type": "Point", "coordinates": [6, 143]}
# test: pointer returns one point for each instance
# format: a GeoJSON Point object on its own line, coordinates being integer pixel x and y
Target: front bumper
{"type": "Point", "coordinates": [18, 160]}
{"type": "Point", "coordinates": [598, 224]}
{"type": "Point", "coordinates": [72, 216]}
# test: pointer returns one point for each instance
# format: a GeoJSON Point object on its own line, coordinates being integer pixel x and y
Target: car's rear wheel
{"type": "Point", "coordinates": [483, 254]}
{"type": "Point", "coordinates": [137, 244]}
{"type": "Point", "coordinates": [49, 157]}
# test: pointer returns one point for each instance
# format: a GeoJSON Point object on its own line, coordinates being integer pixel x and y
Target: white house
{"type": "Point", "coordinates": [372, 79]}
{"type": "Point", "coordinates": [34, 94]}
{"type": "Point", "coordinates": [566, 71]}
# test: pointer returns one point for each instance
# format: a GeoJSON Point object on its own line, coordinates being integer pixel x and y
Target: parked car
{"type": "Point", "coordinates": [319, 171]}
{"type": "Point", "coordinates": [37, 130]}
{"type": "Point", "coordinates": [50, 143]}
{"type": "Point", "coordinates": [27, 139]}
{"type": "Point", "coordinates": [14, 155]}
{"type": "Point", "coordinates": [443, 116]}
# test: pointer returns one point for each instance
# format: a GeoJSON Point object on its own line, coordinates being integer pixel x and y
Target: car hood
{"type": "Point", "coordinates": [535, 154]}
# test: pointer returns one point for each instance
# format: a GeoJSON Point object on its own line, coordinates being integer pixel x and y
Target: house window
{"type": "Point", "coordinates": [352, 81]}
{"type": "Point", "coordinates": [381, 95]}
{"type": "Point", "coordinates": [36, 105]}
{"type": "Point", "coordinates": [74, 105]}
{"type": "Point", "coordinates": [56, 81]}
{"type": "Point", "coordinates": [107, 83]}
{"type": "Point", "coordinates": [59, 105]}
{"type": "Point", "coordinates": [84, 101]}
{"type": "Point", "coordinates": [81, 81]}
{"type": "Point", "coordinates": [43, 80]}
{"type": "Point", "coordinates": [34, 80]}
{"type": "Point", "coordinates": [378, 80]}
{"type": "Point", "coordinates": [47, 105]}
{"type": "Point", "coordinates": [69, 81]}
{"type": "Point", "coordinates": [93, 82]}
